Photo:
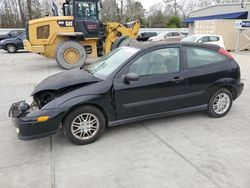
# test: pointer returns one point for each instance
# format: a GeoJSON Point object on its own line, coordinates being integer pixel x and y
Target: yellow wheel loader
{"type": "Point", "coordinates": [77, 34]}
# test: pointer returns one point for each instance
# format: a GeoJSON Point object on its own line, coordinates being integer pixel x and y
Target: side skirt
{"type": "Point", "coordinates": [158, 115]}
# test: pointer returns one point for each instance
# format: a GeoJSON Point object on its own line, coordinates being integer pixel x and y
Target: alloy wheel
{"type": "Point", "coordinates": [221, 103]}
{"type": "Point", "coordinates": [85, 126]}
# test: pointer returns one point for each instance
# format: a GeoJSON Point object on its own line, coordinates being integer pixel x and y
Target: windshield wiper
{"type": "Point", "coordinates": [87, 70]}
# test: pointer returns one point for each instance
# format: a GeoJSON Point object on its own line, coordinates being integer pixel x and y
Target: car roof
{"type": "Point", "coordinates": [148, 45]}
{"type": "Point", "coordinates": [204, 35]}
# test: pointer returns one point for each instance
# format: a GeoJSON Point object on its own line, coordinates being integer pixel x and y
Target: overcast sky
{"type": "Point", "coordinates": [148, 3]}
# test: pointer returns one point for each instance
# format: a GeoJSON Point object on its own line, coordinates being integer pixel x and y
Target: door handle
{"type": "Point", "coordinates": [177, 79]}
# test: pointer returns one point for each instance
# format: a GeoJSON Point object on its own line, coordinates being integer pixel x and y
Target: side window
{"type": "Point", "coordinates": [213, 39]}
{"type": "Point", "coordinates": [204, 39]}
{"type": "Point", "coordinates": [86, 10]}
{"type": "Point", "coordinates": [169, 34]}
{"type": "Point", "coordinates": [43, 32]}
{"type": "Point", "coordinates": [20, 32]}
{"type": "Point", "coordinates": [23, 37]}
{"type": "Point", "coordinates": [197, 57]}
{"type": "Point", "coordinates": [157, 62]}
{"type": "Point", "coordinates": [176, 34]}
{"type": "Point", "coordinates": [14, 33]}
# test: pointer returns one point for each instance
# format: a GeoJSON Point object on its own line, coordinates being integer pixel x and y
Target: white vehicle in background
{"type": "Point", "coordinates": [173, 36]}
{"type": "Point", "coordinates": [210, 39]}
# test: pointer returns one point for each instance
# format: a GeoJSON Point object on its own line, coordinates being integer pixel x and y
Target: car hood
{"type": "Point", "coordinates": [156, 38]}
{"type": "Point", "coordinates": [153, 38]}
{"type": "Point", "coordinates": [65, 79]}
{"type": "Point", "coordinates": [8, 40]}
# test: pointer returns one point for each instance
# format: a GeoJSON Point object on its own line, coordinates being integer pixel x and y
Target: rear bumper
{"type": "Point", "coordinates": [27, 126]}
{"type": "Point", "coordinates": [239, 88]}
{"type": "Point", "coordinates": [1, 46]}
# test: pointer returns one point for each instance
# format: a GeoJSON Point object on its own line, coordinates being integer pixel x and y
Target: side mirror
{"type": "Point", "coordinates": [131, 77]}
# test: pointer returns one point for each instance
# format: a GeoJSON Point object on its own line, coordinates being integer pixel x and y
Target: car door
{"type": "Point", "coordinates": [168, 36]}
{"type": "Point", "coordinates": [160, 86]}
{"type": "Point", "coordinates": [20, 41]}
{"type": "Point", "coordinates": [203, 67]}
{"type": "Point", "coordinates": [176, 36]}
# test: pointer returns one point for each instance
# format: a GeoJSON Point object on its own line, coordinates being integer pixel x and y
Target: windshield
{"type": "Point", "coordinates": [106, 65]}
{"type": "Point", "coordinates": [5, 32]}
{"type": "Point", "coordinates": [190, 38]}
{"type": "Point", "coordinates": [162, 34]}
{"type": "Point", "coordinates": [86, 10]}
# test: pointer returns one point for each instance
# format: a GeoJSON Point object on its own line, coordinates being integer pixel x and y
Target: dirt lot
{"type": "Point", "coordinates": [185, 151]}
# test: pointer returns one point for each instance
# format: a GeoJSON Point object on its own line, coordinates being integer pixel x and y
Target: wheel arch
{"type": "Point", "coordinates": [229, 88]}
{"type": "Point", "coordinates": [223, 83]}
{"type": "Point", "coordinates": [99, 107]}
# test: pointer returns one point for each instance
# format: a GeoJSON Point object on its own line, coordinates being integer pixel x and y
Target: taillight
{"type": "Point", "coordinates": [226, 53]}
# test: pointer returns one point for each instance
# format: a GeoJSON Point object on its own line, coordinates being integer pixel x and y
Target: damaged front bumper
{"type": "Point", "coordinates": [33, 123]}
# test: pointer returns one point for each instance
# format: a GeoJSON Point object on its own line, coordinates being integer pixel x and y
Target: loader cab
{"type": "Point", "coordinates": [86, 16]}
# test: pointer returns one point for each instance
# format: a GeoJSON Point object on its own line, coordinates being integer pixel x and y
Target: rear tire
{"type": "Point", "coordinates": [70, 55]}
{"type": "Point", "coordinates": [220, 103]}
{"type": "Point", "coordinates": [11, 48]}
{"type": "Point", "coordinates": [84, 125]}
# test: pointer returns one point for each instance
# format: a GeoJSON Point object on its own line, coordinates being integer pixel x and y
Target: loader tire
{"type": "Point", "coordinates": [118, 41]}
{"type": "Point", "coordinates": [70, 55]}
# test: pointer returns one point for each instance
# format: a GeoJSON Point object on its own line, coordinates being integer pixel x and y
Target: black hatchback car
{"type": "Point", "coordinates": [6, 34]}
{"type": "Point", "coordinates": [131, 84]}
{"type": "Point", "coordinates": [145, 36]}
{"type": "Point", "coordinates": [12, 45]}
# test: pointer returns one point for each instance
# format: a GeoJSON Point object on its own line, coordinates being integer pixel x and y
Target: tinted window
{"type": "Point", "coordinates": [213, 39]}
{"type": "Point", "coordinates": [14, 33]}
{"type": "Point", "coordinates": [176, 34]}
{"type": "Point", "coordinates": [204, 39]}
{"type": "Point", "coordinates": [43, 32]}
{"type": "Point", "coordinates": [157, 62]}
{"type": "Point", "coordinates": [86, 10]}
{"type": "Point", "coordinates": [20, 32]}
{"type": "Point", "coordinates": [197, 57]}
{"type": "Point", "coordinates": [23, 36]}
{"type": "Point", "coordinates": [169, 34]}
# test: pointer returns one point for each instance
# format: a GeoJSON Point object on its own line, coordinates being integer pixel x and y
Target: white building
{"type": "Point", "coordinates": [218, 12]}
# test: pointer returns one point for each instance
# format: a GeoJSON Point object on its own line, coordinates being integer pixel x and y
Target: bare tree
{"type": "Point", "coordinates": [29, 9]}
{"type": "Point", "coordinates": [21, 13]}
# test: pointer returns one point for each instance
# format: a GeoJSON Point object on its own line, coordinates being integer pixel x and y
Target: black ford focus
{"type": "Point", "coordinates": [130, 84]}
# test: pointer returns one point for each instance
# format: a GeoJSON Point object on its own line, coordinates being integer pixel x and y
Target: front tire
{"type": "Point", "coordinates": [11, 48]}
{"type": "Point", "coordinates": [84, 125]}
{"type": "Point", "coordinates": [71, 55]}
{"type": "Point", "coordinates": [220, 103]}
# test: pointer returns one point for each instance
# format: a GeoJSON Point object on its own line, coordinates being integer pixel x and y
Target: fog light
{"type": "Point", "coordinates": [42, 118]}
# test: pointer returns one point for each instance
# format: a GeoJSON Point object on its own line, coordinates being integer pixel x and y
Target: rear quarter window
{"type": "Point", "coordinates": [198, 57]}
{"type": "Point", "coordinates": [213, 39]}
